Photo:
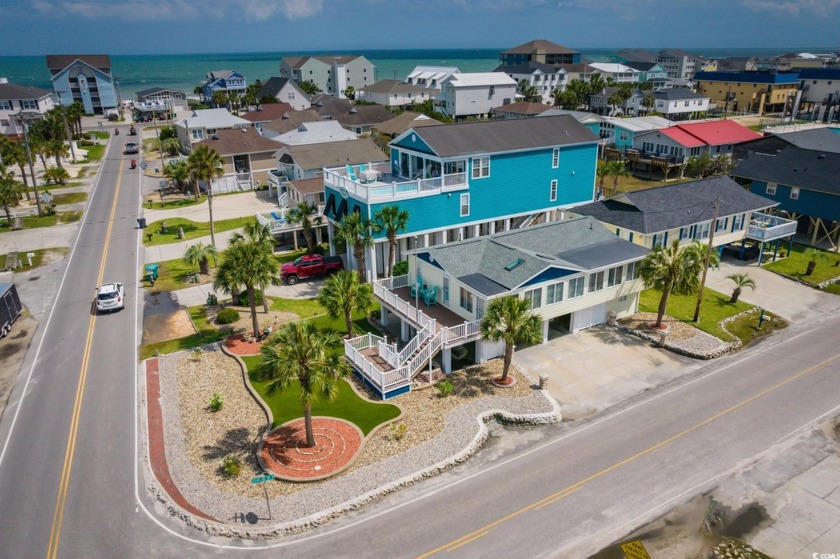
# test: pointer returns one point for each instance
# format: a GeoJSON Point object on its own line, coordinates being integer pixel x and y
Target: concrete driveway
{"type": "Point", "coordinates": [599, 367]}
{"type": "Point", "coordinates": [785, 297]}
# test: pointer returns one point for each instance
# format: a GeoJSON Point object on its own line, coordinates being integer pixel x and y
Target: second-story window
{"type": "Point", "coordinates": [466, 300]}
{"type": "Point", "coordinates": [29, 105]}
{"type": "Point", "coordinates": [555, 158]}
{"type": "Point", "coordinates": [480, 167]}
{"type": "Point", "coordinates": [554, 293]}
{"type": "Point", "coordinates": [553, 191]}
{"type": "Point", "coordinates": [632, 270]}
{"type": "Point", "coordinates": [596, 282]}
{"type": "Point", "coordinates": [465, 205]}
{"type": "Point", "coordinates": [771, 188]}
{"type": "Point", "coordinates": [445, 290]}
{"type": "Point", "coordinates": [535, 297]}
{"type": "Point", "coordinates": [197, 134]}
{"type": "Point", "coordinates": [575, 287]}
{"type": "Point", "coordinates": [614, 276]}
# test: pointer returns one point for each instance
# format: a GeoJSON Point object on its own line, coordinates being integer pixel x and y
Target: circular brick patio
{"type": "Point", "coordinates": [285, 454]}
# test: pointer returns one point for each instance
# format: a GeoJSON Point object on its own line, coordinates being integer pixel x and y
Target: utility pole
{"type": "Point", "coordinates": [29, 159]}
{"type": "Point", "coordinates": [707, 259]}
{"type": "Point", "coordinates": [66, 128]}
{"type": "Point", "coordinates": [160, 147]}
{"type": "Point", "coordinates": [119, 99]}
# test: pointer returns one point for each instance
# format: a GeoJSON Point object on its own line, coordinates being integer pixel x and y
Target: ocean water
{"type": "Point", "coordinates": [186, 71]}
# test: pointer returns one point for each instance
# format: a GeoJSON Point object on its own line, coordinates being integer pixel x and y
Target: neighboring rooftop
{"type": "Point", "coordinates": [817, 139]}
{"type": "Point", "coordinates": [676, 205]}
{"type": "Point", "coordinates": [61, 61]}
{"type": "Point", "coordinates": [540, 45]}
{"type": "Point", "coordinates": [403, 122]}
{"type": "Point", "coordinates": [478, 79]}
{"type": "Point", "coordinates": [297, 62]}
{"type": "Point", "coordinates": [394, 86]}
{"type": "Point", "coordinates": [153, 90]}
{"type": "Point", "coordinates": [213, 118]}
{"type": "Point", "coordinates": [316, 133]}
{"type": "Point", "coordinates": [677, 94]}
{"type": "Point", "coordinates": [308, 186]}
{"type": "Point", "coordinates": [333, 154]}
{"type": "Point", "coordinates": [349, 114]}
{"type": "Point", "coordinates": [580, 116]}
{"type": "Point", "coordinates": [747, 77]}
{"type": "Point", "coordinates": [523, 108]}
{"type": "Point", "coordinates": [11, 91]}
{"type": "Point", "coordinates": [272, 87]}
{"type": "Point", "coordinates": [571, 245]}
{"type": "Point", "coordinates": [793, 166]}
{"type": "Point", "coordinates": [719, 132]}
{"type": "Point", "coordinates": [640, 123]}
{"type": "Point", "coordinates": [235, 141]}
{"type": "Point", "coordinates": [492, 136]}
{"type": "Point", "coordinates": [530, 67]}
{"type": "Point", "coordinates": [612, 68]}
{"type": "Point", "coordinates": [218, 74]}
{"type": "Point", "coordinates": [289, 120]}
{"type": "Point", "coordinates": [641, 66]}
{"type": "Point", "coordinates": [637, 55]}
{"type": "Point", "coordinates": [819, 74]}
{"type": "Point", "coordinates": [266, 112]}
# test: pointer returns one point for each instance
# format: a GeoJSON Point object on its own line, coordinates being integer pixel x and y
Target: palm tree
{"type": "Point", "coordinates": [179, 173]}
{"type": "Point", "coordinates": [529, 92]}
{"type": "Point", "coordinates": [260, 235]}
{"type": "Point", "coordinates": [199, 255]}
{"type": "Point", "coordinates": [309, 87]}
{"type": "Point", "coordinates": [14, 153]}
{"type": "Point", "coordinates": [300, 353]}
{"type": "Point", "coordinates": [393, 221]}
{"type": "Point", "coordinates": [10, 192]}
{"type": "Point", "coordinates": [56, 175]}
{"type": "Point", "coordinates": [205, 164]}
{"type": "Point", "coordinates": [248, 265]}
{"type": "Point", "coordinates": [77, 111]}
{"type": "Point", "coordinates": [302, 214]}
{"type": "Point", "coordinates": [596, 85]}
{"type": "Point", "coordinates": [511, 320]}
{"type": "Point", "coordinates": [616, 169]}
{"type": "Point", "coordinates": [170, 146]}
{"type": "Point", "coordinates": [602, 171]}
{"type": "Point", "coordinates": [673, 269]}
{"type": "Point", "coordinates": [58, 149]}
{"type": "Point", "coordinates": [235, 102]}
{"type": "Point", "coordinates": [813, 254]}
{"type": "Point", "coordinates": [350, 92]}
{"type": "Point", "coordinates": [741, 281]}
{"type": "Point", "coordinates": [356, 232]}
{"type": "Point", "coordinates": [220, 98]}
{"type": "Point", "coordinates": [342, 293]}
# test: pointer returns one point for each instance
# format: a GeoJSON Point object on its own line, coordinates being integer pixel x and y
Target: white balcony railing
{"type": "Point", "coordinates": [390, 187]}
{"type": "Point", "coordinates": [766, 227]}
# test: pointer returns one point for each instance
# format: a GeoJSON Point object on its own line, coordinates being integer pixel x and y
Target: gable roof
{"type": "Point", "coordinates": [333, 154]}
{"type": "Point", "coordinates": [290, 120]}
{"type": "Point", "coordinates": [219, 74]}
{"type": "Point", "coordinates": [297, 62]}
{"type": "Point", "coordinates": [394, 86]}
{"type": "Point", "coordinates": [273, 85]}
{"type": "Point", "coordinates": [612, 67]}
{"type": "Point", "coordinates": [677, 205]}
{"type": "Point", "coordinates": [719, 132]}
{"type": "Point", "coordinates": [61, 61]}
{"type": "Point", "coordinates": [403, 122]}
{"type": "Point", "coordinates": [574, 245]}
{"type": "Point", "coordinates": [433, 71]}
{"type": "Point", "coordinates": [523, 108]}
{"type": "Point", "coordinates": [234, 141]}
{"type": "Point", "coordinates": [10, 91]}
{"type": "Point", "coordinates": [266, 112]}
{"type": "Point", "coordinates": [213, 118]}
{"type": "Point", "coordinates": [681, 137]}
{"type": "Point", "coordinates": [677, 94]}
{"type": "Point", "coordinates": [308, 186]}
{"type": "Point", "coordinates": [316, 133]}
{"type": "Point", "coordinates": [153, 90]}
{"type": "Point", "coordinates": [642, 66]}
{"type": "Point", "coordinates": [493, 136]}
{"type": "Point", "coordinates": [348, 114]}
{"type": "Point", "coordinates": [793, 166]}
{"type": "Point", "coordinates": [480, 79]}
{"type": "Point", "coordinates": [818, 139]}
{"type": "Point", "coordinates": [640, 123]}
{"type": "Point", "coordinates": [542, 45]}
{"type": "Point", "coordinates": [580, 116]}
{"type": "Point", "coordinates": [637, 55]}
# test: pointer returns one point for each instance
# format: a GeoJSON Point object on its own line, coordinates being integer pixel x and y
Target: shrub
{"type": "Point", "coordinates": [216, 402]}
{"type": "Point", "coordinates": [85, 143]}
{"type": "Point", "coordinates": [444, 388]}
{"type": "Point", "coordinates": [401, 268]}
{"type": "Point", "coordinates": [243, 298]}
{"type": "Point", "coordinates": [319, 249]}
{"type": "Point", "coordinates": [227, 316]}
{"type": "Point", "coordinates": [231, 465]}
{"type": "Point", "coordinates": [398, 431]}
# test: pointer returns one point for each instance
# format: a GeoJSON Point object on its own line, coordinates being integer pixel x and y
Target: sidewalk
{"type": "Point", "coordinates": [197, 295]}
{"type": "Point", "coordinates": [171, 251]}
{"type": "Point", "coordinates": [56, 236]}
{"type": "Point", "coordinates": [225, 206]}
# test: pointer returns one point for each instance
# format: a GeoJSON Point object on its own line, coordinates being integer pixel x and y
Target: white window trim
{"type": "Point", "coordinates": [552, 196]}
{"type": "Point", "coordinates": [794, 193]}
{"type": "Point", "coordinates": [555, 158]}
{"type": "Point", "coordinates": [481, 167]}
{"type": "Point", "coordinates": [771, 188]}
{"type": "Point", "coordinates": [465, 201]}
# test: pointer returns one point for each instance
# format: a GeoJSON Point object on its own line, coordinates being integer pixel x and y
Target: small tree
{"type": "Point", "coordinates": [56, 175]}
{"type": "Point", "coordinates": [199, 255]}
{"type": "Point", "coordinates": [10, 192]}
{"type": "Point", "coordinates": [302, 214]}
{"type": "Point", "coordinates": [673, 269]}
{"type": "Point", "coordinates": [741, 281]}
{"type": "Point", "coordinates": [616, 169]}
{"type": "Point", "coordinates": [393, 221]}
{"type": "Point", "coordinates": [356, 232]}
{"type": "Point", "coordinates": [813, 255]}
{"type": "Point", "coordinates": [342, 293]}
{"type": "Point", "coordinates": [309, 87]}
{"type": "Point", "coordinates": [510, 319]}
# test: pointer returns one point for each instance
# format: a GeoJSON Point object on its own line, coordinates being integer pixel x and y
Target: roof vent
{"type": "Point", "coordinates": [195, 114]}
{"type": "Point", "coordinates": [515, 264]}
{"type": "Point", "coordinates": [244, 130]}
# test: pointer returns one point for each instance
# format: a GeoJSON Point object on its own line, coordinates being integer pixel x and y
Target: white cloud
{"type": "Point", "coordinates": [133, 10]}
{"type": "Point", "coordinates": [792, 7]}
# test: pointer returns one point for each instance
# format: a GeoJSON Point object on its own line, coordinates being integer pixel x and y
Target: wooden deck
{"type": "Point", "coordinates": [444, 317]}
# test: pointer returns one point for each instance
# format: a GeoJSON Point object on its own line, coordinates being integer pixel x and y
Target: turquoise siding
{"type": "Point", "coordinates": [413, 142]}
{"type": "Point", "coordinates": [519, 183]}
{"type": "Point", "coordinates": [623, 144]}
{"type": "Point", "coordinates": [594, 126]}
{"type": "Point", "coordinates": [811, 203]}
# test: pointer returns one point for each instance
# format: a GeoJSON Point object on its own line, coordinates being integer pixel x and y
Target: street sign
{"type": "Point", "coordinates": [634, 550]}
{"type": "Point", "coordinates": [262, 479]}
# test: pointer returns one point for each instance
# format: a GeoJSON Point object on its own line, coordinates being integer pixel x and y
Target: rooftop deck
{"type": "Point", "coordinates": [377, 182]}
{"type": "Point", "coordinates": [766, 227]}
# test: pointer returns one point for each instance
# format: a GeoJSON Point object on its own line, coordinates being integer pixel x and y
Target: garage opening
{"type": "Point", "coordinates": [559, 326]}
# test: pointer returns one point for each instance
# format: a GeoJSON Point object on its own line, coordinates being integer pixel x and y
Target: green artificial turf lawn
{"type": "Point", "coordinates": [285, 405]}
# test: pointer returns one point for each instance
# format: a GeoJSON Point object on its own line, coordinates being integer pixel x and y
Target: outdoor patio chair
{"type": "Point", "coordinates": [351, 173]}
{"type": "Point", "coordinates": [417, 287]}
{"type": "Point", "coordinates": [430, 297]}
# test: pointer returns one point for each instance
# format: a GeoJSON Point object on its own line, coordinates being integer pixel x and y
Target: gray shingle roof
{"type": "Point", "coordinates": [812, 170]}
{"type": "Point", "coordinates": [819, 139]}
{"type": "Point", "coordinates": [578, 244]}
{"type": "Point", "coordinates": [272, 87]}
{"type": "Point", "coordinates": [13, 91]}
{"type": "Point", "coordinates": [333, 154]}
{"type": "Point", "coordinates": [153, 90]}
{"type": "Point", "coordinates": [61, 61]}
{"type": "Point", "coordinates": [393, 86]}
{"type": "Point", "coordinates": [677, 205]}
{"type": "Point", "coordinates": [349, 114]}
{"type": "Point", "coordinates": [677, 94]}
{"type": "Point", "coordinates": [492, 136]}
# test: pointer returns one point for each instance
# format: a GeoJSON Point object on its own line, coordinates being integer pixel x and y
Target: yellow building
{"type": "Point", "coordinates": [756, 92]}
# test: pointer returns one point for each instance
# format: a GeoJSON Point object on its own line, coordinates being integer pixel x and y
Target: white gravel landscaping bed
{"type": "Point", "coordinates": [440, 432]}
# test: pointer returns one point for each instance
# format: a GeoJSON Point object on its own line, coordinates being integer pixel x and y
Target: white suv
{"type": "Point", "coordinates": [110, 297]}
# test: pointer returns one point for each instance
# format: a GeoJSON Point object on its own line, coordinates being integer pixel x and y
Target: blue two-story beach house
{"type": "Point", "coordinates": [228, 81]}
{"type": "Point", "coordinates": [468, 180]}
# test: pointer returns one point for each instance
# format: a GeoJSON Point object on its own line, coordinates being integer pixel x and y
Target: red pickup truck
{"type": "Point", "coordinates": [309, 266]}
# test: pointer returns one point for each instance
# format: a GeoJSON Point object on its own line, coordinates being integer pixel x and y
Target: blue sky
{"type": "Point", "coordinates": [37, 27]}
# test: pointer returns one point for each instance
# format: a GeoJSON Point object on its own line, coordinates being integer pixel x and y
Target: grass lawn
{"type": "Point", "coordinates": [360, 324]}
{"type": "Point", "coordinates": [176, 274]}
{"type": "Point", "coordinates": [833, 288]}
{"type": "Point", "coordinates": [170, 204]}
{"type": "Point", "coordinates": [289, 256]}
{"type": "Point", "coordinates": [34, 221]}
{"type": "Point", "coordinates": [746, 327]}
{"type": "Point", "coordinates": [631, 184]}
{"type": "Point", "coordinates": [36, 260]}
{"type": "Point", "coordinates": [90, 134]}
{"type": "Point", "coordinates": [715, 307]}
{"type": "Point", "coordinates": [52, 187]}
{"type": "Point", "coordinates": [95, 153]}
{"type": "Point", "coordinates": [192, 229]}
{"type": "Point", "coordinates": [828, 266]}
{"type": "Point", "coordinates": [206, 334]}
{"type": "Point", "coordinates": [304, 308]}
{"type": "Point", "coordinates": [69, 198]}
{"type": "Point", "coordinates": [285, 405]}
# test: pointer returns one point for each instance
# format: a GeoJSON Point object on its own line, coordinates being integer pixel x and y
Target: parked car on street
{"type": "Point", "coordinates": [131, 147]}
{"type": "Point", "coordinates": [110, 297]}
{"type": "Point", "coordinates": [311, 265]}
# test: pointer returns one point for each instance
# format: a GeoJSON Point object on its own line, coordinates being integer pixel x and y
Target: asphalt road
{"type": "Point", "coordinates": [560, 491]}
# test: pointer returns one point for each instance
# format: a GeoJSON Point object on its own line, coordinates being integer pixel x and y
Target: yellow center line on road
{"type": "Point", "coordinates": [566, 491]}
{"type": "Point", "coordinates": [64, 485]}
